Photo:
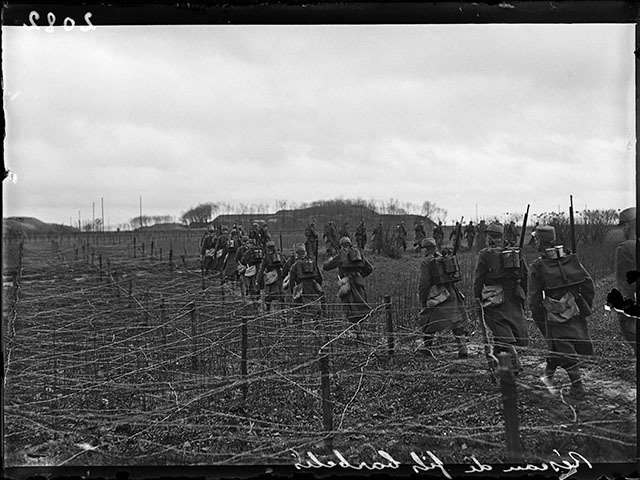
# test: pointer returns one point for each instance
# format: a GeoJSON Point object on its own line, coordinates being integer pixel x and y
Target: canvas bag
{"type": "Point", "coordinates": [344, 287]}
{"type": "Point", "coordinates": [270, 277]}
{"type": "Point", "coordinates": [561, 310]}
{"type": "Point", "coordinates": [250, 271]}
{"type": "Point", "coordinates": [437, 294]}
{"type": "Point", "coordinates": [492, 296]}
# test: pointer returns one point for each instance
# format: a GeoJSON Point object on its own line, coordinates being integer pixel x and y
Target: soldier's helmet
{"type": "Point", "coordinates": [245, 238]}
{"type": "Point", "coordinates": [546, 233]}
{"type": "Point", "coordinates": [345, 241]}
{"type": "Point", "coordinates": [627, 215]}
{"type": "Point", "coordinates": [428, 242]}
{"type": "Point", "coordinates": [495, 229]}
{"type": "Point", "coordinates": [210, 229]}
{"type": "Point", "coordinates": [270, 245]}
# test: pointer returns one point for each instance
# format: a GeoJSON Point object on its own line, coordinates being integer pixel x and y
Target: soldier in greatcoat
{"type": "Point", "coordinates": [305, 283]}
{"type": "Point", "coordinates": [441, 301]}
{"type": "Point", "coordinates": [311, 243]}
{"type": "Point", "coordinates": [500, 287]}
{"type": "Point", "coordinates": [419, 235]}
{"type": "Point", "coordinates": [361, 235]}
{"type": "Point", "coordinates": [269, 276]}
{"type": "Point", "coordinates": [561, 295]}
{"type": "Point", "coordinates": [352, 267]}
{"type": "Point", "coordinates": [470, 234]}
{"type": "Point", "coordinates": [626, 262]}
{"type": "Point", "coordinates": [481, 239]}
{"type": "Point", "coordinates": [377, 239]}
{"type": "Point", "coordinates": [208, 250]}
{"type": "Point", "coordinates": [330, 237]}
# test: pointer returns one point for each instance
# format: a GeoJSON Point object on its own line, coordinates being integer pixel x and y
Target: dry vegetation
{"type": "Point", "coordinates": [135, 363]}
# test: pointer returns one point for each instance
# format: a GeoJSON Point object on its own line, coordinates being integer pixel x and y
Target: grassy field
{"type": "Point", "coordinates": [119, 357]}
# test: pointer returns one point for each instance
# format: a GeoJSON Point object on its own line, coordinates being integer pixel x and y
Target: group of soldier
{"type": "Point", "coordinates": [556, 287]}
{"type": "Point", "coordinates": [253, 262]}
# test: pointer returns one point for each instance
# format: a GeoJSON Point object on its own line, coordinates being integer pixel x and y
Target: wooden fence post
{"type": "Point", "coordinates": [243, 358]}
{"type": "Point", "coordinates": [130, 292]}
{"type": "Point", "coordinates": [390, 337]}
{"type": "Point", "coordinates": [134, 247]}
{"type": "Point", "coordinates": [510, 408]}
{"type": "Point", "coordinates": [327, 406]}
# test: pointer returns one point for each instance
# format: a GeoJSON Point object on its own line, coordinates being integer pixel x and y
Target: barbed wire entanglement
{"type": "Point", "coordinates": [120, 352]}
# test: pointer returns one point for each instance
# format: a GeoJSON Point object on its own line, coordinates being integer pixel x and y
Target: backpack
{"type": "Point", "coordinates": [444, 269]}
{"type": "Point", "coordinates": [231, 244]}
{"type": "Point", "coordinates": [562, 272]}
{"type": "Point", "coordinates": [275, 260]}
{"type": "Point", "coordinates": [504, 264]}
{"type": "Point", "coordinates": [258, 254]}
{"type": "Point", "coordinates": [306, 269]}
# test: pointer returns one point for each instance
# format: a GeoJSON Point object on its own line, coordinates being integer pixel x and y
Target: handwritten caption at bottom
{"type": "Point", "coordinates": [430, 461]}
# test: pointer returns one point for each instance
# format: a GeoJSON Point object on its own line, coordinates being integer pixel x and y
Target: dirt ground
{"type": "Point", "coordinates": [96, 376]}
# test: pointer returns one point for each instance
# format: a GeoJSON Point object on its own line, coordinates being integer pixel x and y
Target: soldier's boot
{"type": "Point", "coordinates": [577, 388]}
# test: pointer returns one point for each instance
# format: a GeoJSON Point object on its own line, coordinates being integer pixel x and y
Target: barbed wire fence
{"type": "Point", "coordinates": [141, 359]}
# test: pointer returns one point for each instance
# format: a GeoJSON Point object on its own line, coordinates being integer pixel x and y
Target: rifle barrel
{"type": "Point", "coordinates": [524, 227]}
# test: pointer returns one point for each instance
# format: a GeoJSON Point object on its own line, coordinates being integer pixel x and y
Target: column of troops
{"type": "Point", "coordinates": [557, 288]}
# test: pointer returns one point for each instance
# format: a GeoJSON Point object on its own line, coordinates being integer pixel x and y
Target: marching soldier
{"type": "Point", "coordinates": [352, 268]}
{"type": "Point", "coordinates": [208, 250]}
{"type": "Point", "coordinates": [305, 282]}
{"type": "Point", "coordinates": [626, 262]}
{"type": "Point", "coordinates": [470, 234]}
{"type": "Point", "coordinates": [420, 235]}
{"type": "Point", "coordinates": [330, 236]}
{"type": "Point", "coordinates": [500, 287]}
{"type": "Point", "coordinates": [230, 271]}
{"type": "Point", "coordinates": [270, 275]}
{"type": "Point", "coordinates": [252, 258]}
{"type": "Point", "coordinates": [403, 236]}
{"type": "Point", "coordinates": [438, 235]}
{"type": "Point", "coordinates": [311, 244]}
{"type": "Point", "coordinates": [344, 231]}
{"type": "Point", "coordinates": [361, 235]}
{"type": "Point", "coordinates": [377, 239]}
{"type": "Point", "coordinates": [441, 301]}
{"type": "Point", "coordinates": [561, 294]}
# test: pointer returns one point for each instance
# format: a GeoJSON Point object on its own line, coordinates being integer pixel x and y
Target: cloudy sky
{"type": "Point", "coordinates": [493, 115]}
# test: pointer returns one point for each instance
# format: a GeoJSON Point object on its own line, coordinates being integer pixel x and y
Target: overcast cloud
{"type": "Point", "coordinates": [498, 115]}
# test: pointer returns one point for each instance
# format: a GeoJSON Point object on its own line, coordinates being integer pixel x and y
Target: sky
{"type": "Point", "coordinates": [485, 118]}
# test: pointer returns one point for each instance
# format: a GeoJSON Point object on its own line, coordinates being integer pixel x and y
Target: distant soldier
{"type": "Point", "coordinates": [264, 235]}
{"type": "Point", "coordinates": [221, 250]}
{"type": "Point", "coordinates": [352, 268]}
{"type": "Point", "coordinates": [252, 258]}
{"type": "Point", "coordinates": [403, 236]}
{"type": "Point", "coordinates": [511, 234]}
{"type": "Point", "coordinates": [419, 235]}
{"type": "Point", "coordinates": [311, 244]}
{"type": "Point", "coordinates": [399, 242]}
{"type": "Point", "coordinates": [377, 239]}
{"type": "Point", "coordinates": [270, 275]}
{"type": "Point", "coordinates": [361, 235]}
{"type": "Point", "coordinates": [438, 235]}
{"type": "Point", "coordinates": [230, 265]}
{"type": "Point", "coordinates": [208, 250]}
{"type": "Point", "coordinates": [481, 239]}
{"type": "Point", "coordinates": [626, 262]}
{"type": "Point", "coordinates": [470, 234]}
{"type": "Point", "coordinates": [500, 286]}
{"type": "Point", "coordinates": [561, 294]}
{"type": "Point", "coordinates": [242, 249]}
{"type": "Point", "coordinates": [452, 235]}
{"type": "Point", "coordinates": [254, 233]}
{"type": "Point", "coordinates": [344, 231]}
{"type": "Point", "coordinates": [441, 301]}
{"type": "Point", "coordinates": [305, 282]}
{"type": "Point", "coordinates": [330, 237]}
